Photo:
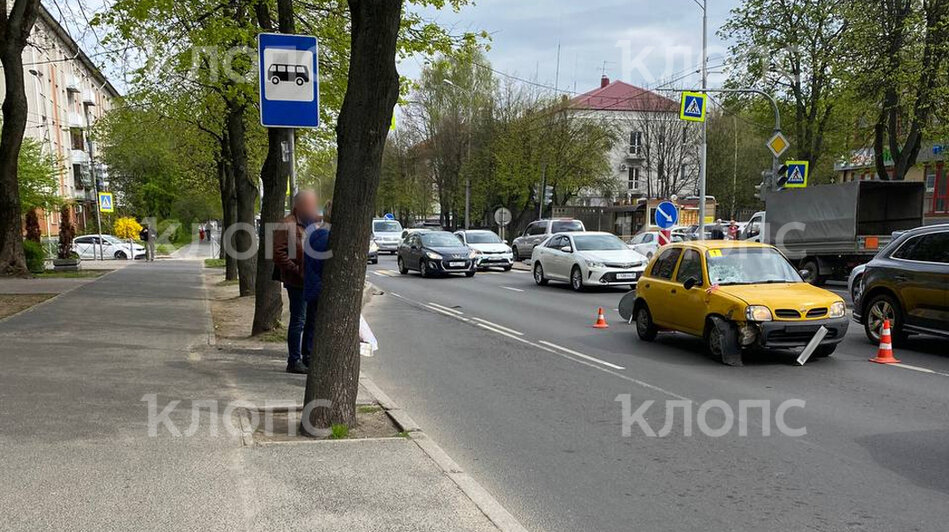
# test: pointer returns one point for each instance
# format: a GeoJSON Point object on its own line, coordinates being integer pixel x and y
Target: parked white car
{"type": "Point", "coordinates": [492, 251]}
{"type": "Point", "coordinates": [87, 247]}
{"type": "Point", "coordinates": [587, 259]}
{"type": "Point", "coordinates": [647, 243]}
{"type": "Point", "coordinates": [387, 234]}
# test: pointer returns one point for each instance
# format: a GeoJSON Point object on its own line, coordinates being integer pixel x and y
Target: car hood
{"type": "Point", "coordinates": [451, 253]}
{"type": "Point", "coordinates": [625, 256]}
{"type": "Point", "coordinates": [781, 295]}
{"type": "Point", "coordinates": [502, 248]}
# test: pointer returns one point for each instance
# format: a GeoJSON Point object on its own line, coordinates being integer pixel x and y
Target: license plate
{"type": "Point", "coordinates": [626, 276]}
{"type": "Point", "coordinates": [456, 264]}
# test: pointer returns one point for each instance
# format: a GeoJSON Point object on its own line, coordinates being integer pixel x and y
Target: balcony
{"type": "Point", "coordinates": [72, 84]}
{"type": "Point", "coordinates": [78, 156]}
{"type": "Point", "coordinates": [76, 120]}
{"type": "Point", "coordinates": [635, 153]}
{"type": "Point", "coordinates": [88, 97]}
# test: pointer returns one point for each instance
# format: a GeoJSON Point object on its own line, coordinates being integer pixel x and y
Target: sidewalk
{"type": "Point", "coordinates": [77, 381]}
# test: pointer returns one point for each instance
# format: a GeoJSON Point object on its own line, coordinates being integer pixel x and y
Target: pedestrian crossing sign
{"type": "Point", "coordinates": [797, 174]}
{"type": "Point", "coordinates": [105, 202]}
{"type": "Point", "coordinates": [693, 107]}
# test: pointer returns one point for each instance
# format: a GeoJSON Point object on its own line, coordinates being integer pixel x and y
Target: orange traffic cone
{"type": "Point", "coordinates": [600, 320]}
{"type": "Point", "coordinates": [885, 353]}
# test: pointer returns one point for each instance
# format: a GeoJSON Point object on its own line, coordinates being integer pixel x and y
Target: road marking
{"type": "Point", "coordinates": [446, 313]}
{"type": "Point", "coordinates": [499, 331]}
{"type": "Point", "coordinates": [446, 309]}
{"type": "Point", "coordinates": [919, 369]}
{"type": "Point", "coordinates": [380, 274]}
{"type": "Point", "coordinates": [581, 355]}
{"type": "Point", "coordinates": [496, 326]}
{"type": "Point", "coordinates": [512, 289]}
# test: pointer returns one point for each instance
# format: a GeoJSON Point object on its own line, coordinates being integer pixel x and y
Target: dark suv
{"type": "Point", "coordinates": [908, 284]}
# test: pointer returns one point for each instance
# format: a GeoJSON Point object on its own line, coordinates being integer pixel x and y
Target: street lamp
{"type": "Point", "coordinates": [470, 134]}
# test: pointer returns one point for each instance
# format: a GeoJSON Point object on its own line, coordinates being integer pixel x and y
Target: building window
{"type": "Point", "coordinates": [940, 204]}
{"type": "Point", "coordinates": [632, 182]}
{"type": "Point", "coordinates": [77, 175]}
{"type": "Point", "coordinates": [75, 138]}
{"type": "Point", "coordinates": [635, 142]}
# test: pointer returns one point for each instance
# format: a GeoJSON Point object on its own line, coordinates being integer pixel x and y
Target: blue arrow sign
{"type": "Point", "coordinates": [289, 80]}
{"type": "Point", "coordinates": [389, 216]}
{"type": "Point", "coordinates": [666, 215]}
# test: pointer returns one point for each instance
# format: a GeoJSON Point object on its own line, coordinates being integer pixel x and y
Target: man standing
{"type": "Point", "coordinates": [288, 262]}
{"type": "Point", "coordinates": [148, 237]}
{"type": "Point", "coordinates": [317, 251]}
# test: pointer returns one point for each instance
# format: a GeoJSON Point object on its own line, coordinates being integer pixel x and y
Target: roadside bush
{"type": "Point", "coordinates": [35, 256]}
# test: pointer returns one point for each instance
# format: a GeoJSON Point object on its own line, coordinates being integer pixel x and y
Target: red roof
{"type": "Point", "coordinates": [620, 96]}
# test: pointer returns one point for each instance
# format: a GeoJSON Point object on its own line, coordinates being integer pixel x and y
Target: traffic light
{"type": "Point", "coordinates": [548, 195]}
{"type": "Point", "coordinates": [781, 178]}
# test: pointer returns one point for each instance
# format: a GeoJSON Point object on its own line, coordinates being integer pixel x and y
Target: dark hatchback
{"type": "Point", "coordinates": [908, 284]}
{"type": "Point", "coordinates": [435, 253]}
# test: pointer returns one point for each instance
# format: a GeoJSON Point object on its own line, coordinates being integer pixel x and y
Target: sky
{"type": "Point", "coordinates": [648, 43]}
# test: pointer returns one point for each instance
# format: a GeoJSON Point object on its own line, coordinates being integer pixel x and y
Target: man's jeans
{"type": "Point", "coordinates": [300, 329]}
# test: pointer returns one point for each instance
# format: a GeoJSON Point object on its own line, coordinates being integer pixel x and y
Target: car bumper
{"type": "Point", "coordinates": [452, 266]}
{"type": "Point", "coordinates": [787, 334]}
{"type": "Point", "coordinates": [611, 277]}
{"type": "Point", "coordinates": [387, 246]}
{"type": "Point", "coordinates": [499, 260]}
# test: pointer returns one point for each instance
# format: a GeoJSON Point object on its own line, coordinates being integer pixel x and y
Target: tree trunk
{"type": "Point", "coordinates": [275, 173]}
{"type": "Point", "coordinates": [361, 133]}
{"type": "Point", "coordinates": [15, 27]}
{"type": "Point", "coordinates": [228, 212]}
{"type": "Point", "coordinates": [245, 237]}
{"type": "Point", "coordinates": [268, 304]}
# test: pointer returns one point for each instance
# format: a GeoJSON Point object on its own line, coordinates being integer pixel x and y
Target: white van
{"type": "Point", "coordinates": [387, 234]}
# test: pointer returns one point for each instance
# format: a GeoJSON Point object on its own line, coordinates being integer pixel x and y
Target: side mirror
{"type": "Point", "coordinates": [804, 273]}
{"type": "Point", "coordinates": [505, 241]}
{"type": "Point", "coordinates": [690, 283]}
{"type": "Point", "coordinates": [567, 249]}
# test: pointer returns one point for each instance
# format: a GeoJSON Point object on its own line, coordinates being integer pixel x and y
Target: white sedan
{"type": "Point", "coordinates": [587, 259]}
{"type": "Point", "coordinates": [492, 251]}
{"type": "Point", "coordinates": [87, 247]}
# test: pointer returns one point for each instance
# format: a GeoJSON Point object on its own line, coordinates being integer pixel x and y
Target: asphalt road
{"type": "Point", "coordinates": [512, 380]}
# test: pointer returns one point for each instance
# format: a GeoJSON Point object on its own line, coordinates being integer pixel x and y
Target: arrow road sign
{"type": "Point", "coordinates": [666, 215]}
{"type": "Point", "coordinates": [289, 80]}
{"type": "Point", "coordinates": [105, 202]}
{"type": "Point", "coordinates": [693, 107]}
{"type": "Point", "coordinates": [797, 174]}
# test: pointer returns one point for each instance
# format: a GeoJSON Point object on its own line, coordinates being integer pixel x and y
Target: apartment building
{"type": "Point", "coordinates": [66, 93]}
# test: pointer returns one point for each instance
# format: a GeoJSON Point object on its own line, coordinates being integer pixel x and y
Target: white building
{"type": "Point", "coordinates": [656, 155]}
{"type": "Point", "coordinates": [66, 93]}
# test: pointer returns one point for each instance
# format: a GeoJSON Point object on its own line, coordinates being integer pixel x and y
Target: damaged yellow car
{"type": "Point", "coordinates": [735, 295]}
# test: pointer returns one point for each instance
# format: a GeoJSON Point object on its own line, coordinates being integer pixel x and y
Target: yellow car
{"type": "Point", "coordinates": [735, 295]}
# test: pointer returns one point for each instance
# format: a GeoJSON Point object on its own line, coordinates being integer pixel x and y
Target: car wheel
{"type": "Point", "coordinates": [576, 279]}
{"type": "Point", "coordinates": [883, 307]}
{"type": "Point", "coordinates": [375, 260]}
{"type": "Point", "coordinates": [824, 351]}
{"type": "Point", "coordinates": [423, 268]}
{"type": "Point", "coordinates": [470, 274]}
{"type": "Point", "coordinates": [645, 328]}
{"type": "Point", "coordinates": [813, 276]}
{"type": "Point", "coordinates": [721, 342]}
{"type": "Point", "coordinates": [517, 256]}
{"type": "Point", "coordinates": [120, 255]}
{"type": "Point", "coordinates": [539, 274]}
{"type": "Point", "coordinates": [507, 268]}
{"type": "Point", "coordinates": [299, 82]}
{"type": "Point", "coordinates": [402, 269]}
{"type": "Point", "coordinates": [275, 80]}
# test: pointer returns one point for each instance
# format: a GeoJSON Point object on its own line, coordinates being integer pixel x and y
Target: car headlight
{"type": "Point", "coordinates": [474, 254]}
{"type": "Point", "coordinates": [838, 309]}
{"type": "Point", "coordinates": [758, 313]}
{"type": "Point", "coordinates": [432, 255]}
{"type": "Point", "coordinates": [593, 263]}
{"type": "Point", "coordinates": [373, 246]}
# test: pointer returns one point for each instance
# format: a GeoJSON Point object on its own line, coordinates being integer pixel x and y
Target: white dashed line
{"type": "Point", "coordinates": [496, 326]}
{"type": "Point", "coordinates": [446, 309]}
{"type": "Point", "coordinates": [512, 289]}
{"type": "Point", "coordinates": [581, 355]}
{"type": "Point", "coordinates": [919, 369]}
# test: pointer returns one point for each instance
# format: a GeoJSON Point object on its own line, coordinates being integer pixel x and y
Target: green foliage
{"type": "Point", "coordinates": [214, 263]}
{"type": "Point", "coordinates": [38, 177]}
{"type": "Point", "coordinates": [32, 226]}
{"type": "Point", "coordinates": [339, 432]}
{"type": "Point", "coordinates": [35, 256]}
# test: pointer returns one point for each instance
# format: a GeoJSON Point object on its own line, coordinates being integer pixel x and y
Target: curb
{"type": "Point", "coordinates": [481, 498]}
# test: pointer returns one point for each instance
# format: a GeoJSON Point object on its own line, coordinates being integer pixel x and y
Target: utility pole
{"type": "Point", "coordinates": [704, 156]}
{"type": "Point", "coordinates": [95, 184]}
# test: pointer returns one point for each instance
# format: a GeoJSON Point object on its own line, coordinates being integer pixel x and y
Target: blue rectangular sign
{"type": "Point", "coordinates": [289, 80]}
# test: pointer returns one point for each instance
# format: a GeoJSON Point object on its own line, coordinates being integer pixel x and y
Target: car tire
{"type": "Point", "coordinates": [824, 351]}
{"type": "Point", "coordinates": [402, 269]}
{"type": "Point", "coordinates": [721, 341]}
{"type": "Point", "coordinates": [508, 268]}
{"type": "Point", "coordinates": [423, 268]}
{"type": "Point", "coordinates": [645, 327]}
{"type": "Point", "coordinates": [576, 279]}
{"type": "Point", "coordinates": [469, 274]}
{"type": "Point", "coordinates": [539, 274]}
{"type": "Point", "coordinates": [880, 307]}
{"type": "Point", "coordinates": [517, 256]}
{"type": "Point", "coordinates": [813, 277]}
{"type": "Point", "coordinates": [375, 260]}
{"type": "Point", "coordinates": [275, 80]}
{"type": "Point", "coordinates": [300, 82]}
{"type": "Point", "coordinates": [120, 255]}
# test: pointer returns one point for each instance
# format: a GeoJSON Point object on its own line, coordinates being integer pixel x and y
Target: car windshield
{"type": "Point", "coordinates": [386, 226]}
{"type": "Point", "coordinates": [598, 243]}
{"type": "Point", "coordinates": [749, 266]}
{"type": "Point", "coordinates": [440, 240]}
{"type": "Point", "coordinates": [482, 237]}
{"type": "Point", "coordinates": [562, 226]}
{"type": "Point", "coordinates": [112, 239]}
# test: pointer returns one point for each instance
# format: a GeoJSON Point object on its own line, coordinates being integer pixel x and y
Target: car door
{"type": "Point", "coordinates": [922, 279]}
{"type": "Point", "coordinates": [690, 304]}
{"type": "Point", "coordinates": [83, 247]}
{"type": "Point", "coordinates": [660, 288]}
{"type": "Point", "coordinates": [553, 257]}
{"type": "Point", "coordinates": [535, 233]}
